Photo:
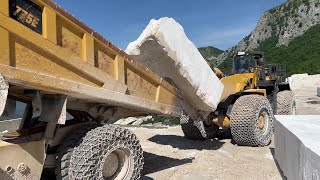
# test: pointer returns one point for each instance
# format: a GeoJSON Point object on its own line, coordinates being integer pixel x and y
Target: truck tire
{"type": "Point", "coordinates": [107, 152]}
{"type": "Point", "coordinates": [286, 104]}
{"type": "Point", "coordinates": [252, 121]}
{"type": "Point", "coordinates": [66, 149]}
{"type": "Point", "coordinates": [197, 130]}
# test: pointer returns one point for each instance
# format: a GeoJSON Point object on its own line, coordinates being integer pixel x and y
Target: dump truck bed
{"type": "Point", "coordinates": [45, 48]}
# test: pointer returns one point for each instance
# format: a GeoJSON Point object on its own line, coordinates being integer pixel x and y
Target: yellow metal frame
{"type": "Point", "coordinates": [236, 83]}
{"type": "Point", "coordinates": [262, 92]}
{"type": "Point", "coordinates": [19, 153]}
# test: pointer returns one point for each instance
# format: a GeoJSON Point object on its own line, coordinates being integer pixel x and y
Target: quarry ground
{"type": "Point", "coordinates": [168, 155]}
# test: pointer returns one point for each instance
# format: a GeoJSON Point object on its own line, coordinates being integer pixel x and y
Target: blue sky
{"type": "Point", "coordinates": [215, 23]}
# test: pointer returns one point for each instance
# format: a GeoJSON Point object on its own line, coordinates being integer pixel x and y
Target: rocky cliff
{"type": "Point", "coordinates": [280, 25]}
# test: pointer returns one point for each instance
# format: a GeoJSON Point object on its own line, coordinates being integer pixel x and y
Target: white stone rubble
{"type": "Point", "coordinates": [132, 120]}
{"type": "Point", "coordinates": [298, 81]}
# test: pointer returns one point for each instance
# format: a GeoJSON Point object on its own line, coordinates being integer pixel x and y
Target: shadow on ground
{"type": "Point", "coordinates": [274, 158]}
{"type": "Point", "coordinates": [184, 143]}
{"type": "Point", "coordinates": [154, 163]}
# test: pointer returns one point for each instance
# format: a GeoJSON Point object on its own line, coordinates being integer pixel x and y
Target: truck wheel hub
{"type": "Point", "coordinates": [261, 120]}
{"type": "Point", "coordinates": [117, 164]}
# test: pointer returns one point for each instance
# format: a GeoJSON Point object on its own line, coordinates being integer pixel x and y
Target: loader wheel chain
{"type": "Point", "coordinates": [66, 149]}
{"type": "Point", "coordinates": [197, 129]}
{"type": "Point", "coordinates": [107, 152]}
{"type": "Point", "coordinates": [286, 104]}
{"type": "Point", "coordinates": [252, 121]}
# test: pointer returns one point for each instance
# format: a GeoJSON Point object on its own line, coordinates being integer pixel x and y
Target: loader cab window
{"type": "Point", "coordinates": [240, 65]}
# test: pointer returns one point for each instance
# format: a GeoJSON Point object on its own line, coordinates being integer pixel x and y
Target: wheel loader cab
{"type": "Point", "coordinates": [245, 75]}
{"type": "Point", "coordinates": [248, 62]}
{"type": "Point", "coordinates": [242, 64]}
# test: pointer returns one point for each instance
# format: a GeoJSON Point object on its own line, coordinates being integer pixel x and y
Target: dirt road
{"type": "Point", "coordinates": [307, 101]}
{"type": "Point", "coordinates": [168, 155]}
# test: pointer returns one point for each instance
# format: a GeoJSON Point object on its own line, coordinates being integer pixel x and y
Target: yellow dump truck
{"type": "Point", "coordinates": [65, 79]}
{"type": "Point", "coordinates": [68, 79]}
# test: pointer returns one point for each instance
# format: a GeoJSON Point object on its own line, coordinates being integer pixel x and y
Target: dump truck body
{"type": "Point", "coordinates": [55, 64]}
{"type": "Point", "coordinates": [65, 56]}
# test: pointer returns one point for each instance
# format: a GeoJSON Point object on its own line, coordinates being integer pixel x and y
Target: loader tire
{"type": "Point", "coordinates": [252, 121]}
{"type": "Point", "coordinates": [66, 149]}
{"type": "Point", "coordinates": [107, 152]}
{"type": "Point", "coordinates": [286, 104]}
{"type": "Point", "coordinates": [197, 130]}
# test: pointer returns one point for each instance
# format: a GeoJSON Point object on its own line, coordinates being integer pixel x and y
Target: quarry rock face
{"type": "Point", "coordinates": [286, 22]}
{"type": "Point", "coordinates": [165, 49]}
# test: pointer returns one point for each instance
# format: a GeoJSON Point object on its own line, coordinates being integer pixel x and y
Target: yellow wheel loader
{"type": "Point", "coordinates": [252, 95]}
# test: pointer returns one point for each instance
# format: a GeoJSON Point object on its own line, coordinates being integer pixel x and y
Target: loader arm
{"type": "Point", "coordinates": [235, 84]}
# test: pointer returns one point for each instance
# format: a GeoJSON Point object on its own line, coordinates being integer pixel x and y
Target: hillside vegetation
{"type": "Point", "coordinates": [289, 34]}
{"type": "Point", "coordinates": [300, 56]}
{"type": "Point", "coordinates": [210, 54]}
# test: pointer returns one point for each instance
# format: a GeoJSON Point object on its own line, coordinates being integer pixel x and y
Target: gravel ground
{"type": "Point", "coordinates": [168, 155]}
{"type": "Point", "coordinates": [307, 101]}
